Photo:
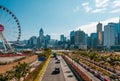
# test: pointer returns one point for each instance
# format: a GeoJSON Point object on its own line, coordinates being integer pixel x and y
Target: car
{"type": "Point", "coordinates": [58, 61]}
{"type": "Point", "coordinates": [56, 58]}
{"type": "Point", "coordinates": [57, 70]}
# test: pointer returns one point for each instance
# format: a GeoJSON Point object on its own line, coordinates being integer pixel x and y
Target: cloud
{"type": "Point", "coordinates": [116, 3]}
{"type": "Point", "coordinates": [100, 6]}
{"type": "Point", "coordinates": [101, 3]}
{"type": "Point", "coordinates": [91, 27]}
{"type": "Point", "coordinates": [85, 4]}
{"type": "Point", "coordinates": [77, 9]}
{"type": "Point", "coordinates": [99, 10]}
{"type": "Point", "coordinates": [86, 7]}
{"type": "Point", "coordinates": [115, 11]}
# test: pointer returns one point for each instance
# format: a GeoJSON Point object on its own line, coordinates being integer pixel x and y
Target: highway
{"type": "Point", "coordinates": [65, 72]}
{"type": "Point", "coordinates": [49, 76]}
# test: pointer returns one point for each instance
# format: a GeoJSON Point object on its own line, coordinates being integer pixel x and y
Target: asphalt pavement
{"type": "Point", "coordinates": [49, 74]}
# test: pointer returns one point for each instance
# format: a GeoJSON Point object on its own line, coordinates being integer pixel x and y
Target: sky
{"type": "Point", "coordinates": [58, 17]}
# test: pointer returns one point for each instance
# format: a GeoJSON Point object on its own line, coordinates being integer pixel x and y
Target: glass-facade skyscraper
{"type": "Point", "coordinates": [41, 38]}
{"type": "Point", "coordinates": [109, 35]}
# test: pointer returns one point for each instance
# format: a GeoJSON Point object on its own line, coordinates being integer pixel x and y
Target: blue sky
{"type": "Point", "coordinates": [62, 16]}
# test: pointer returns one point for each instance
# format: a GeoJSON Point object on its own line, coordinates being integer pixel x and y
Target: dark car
{"type": "Point", "coordinates": [58, 61]}
{"type": "Point", "coordinates": [56, 58]}
{"type": "Point", "coordinates": [57, 70]}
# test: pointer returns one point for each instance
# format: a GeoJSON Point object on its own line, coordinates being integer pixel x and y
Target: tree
{"type": "Point", "coordinates": [2, 78]}
{"type": "Point", "coordinates": [93, 56]}
{"type": "Point", "coordinates": [113, 77]}
{"type": "Point", "coordinates": [9, 75]}
{"type": "Point", "coordinates": [111, 61]}
{"type": "Point", "coordinates": [21, 70]}
{"type": "Point", "coordinates": [6, 76]}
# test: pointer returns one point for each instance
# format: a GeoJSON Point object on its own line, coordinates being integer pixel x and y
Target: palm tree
{"type": "Point", "coordinates": [9, 75]}
{"type": "Point", "coordinates": [25, 69]}
{"type": "Point", "coordinates": [2, 78]}
{"type": "Point", "coordinates": [17, 72]}
{"type": "Point", "coordinates": [21, 70]}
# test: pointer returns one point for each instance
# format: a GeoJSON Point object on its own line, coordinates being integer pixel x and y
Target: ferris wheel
{"type": "Point", "coordinates": [10, 30]}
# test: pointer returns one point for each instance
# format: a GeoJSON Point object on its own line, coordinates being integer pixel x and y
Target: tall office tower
{"type": "Point", "coordinates": [93, 40]}
{"type": "Point", "coordinates": [62, 38]}
{"type": "Point", "coordinates": [41, 38]}
{"type": "Point", "coordinates": [119, 32]}
{"type": "Point", "coordinates": [47, 40]}
{"type": "Point", "coordinates": [72, 37]}
{"type": "Point", "coordinates": [109, 35]}
{"type": "Point", "coordinates": [102, 37]}
{"type": "Point", "coordinates": [34, 40]}
{"type": "Point", "coordinates": [86, 39]}
{"type": "Point", "coordinates": [99, 34]}
{"type": "Point", "coordinates": [79, 37]}
{"type": "Point", "coordinates": [116, 33]}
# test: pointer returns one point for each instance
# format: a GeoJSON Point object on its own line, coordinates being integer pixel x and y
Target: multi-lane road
{"type": "Point", "coordinates": [65, 72]}
{"type": "Point", "coordinates": [62, 76]}
{"type": "Point", "coordinates": [49, 73]}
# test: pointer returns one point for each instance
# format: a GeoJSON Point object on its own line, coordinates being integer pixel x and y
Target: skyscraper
{"type": "Point", "coordinates": [86, 39]}
{"type": "Point", "coordinates": [41, 38]}
{"type": "Point", "coordinates": [79, 38]}
{"type": "Point", "coordinates": [93, 40]}
{"type": "Point", "coordinates": [109, 35]}
{"type": "Point", "coordinates": [47, 40]}
{"type": "Point", "coordinates": [62, 38]}
{"type": "Point", "coordinates": [33, 41]}
{"type": "Point", "coordinates": [99, 34]}
{"type": "Point", "coordinates": [41, 34]}
{"type": "Point", "coordinates": [72, 37]}
{"type": "Point", "coordinates": [116, 32]}
{"type": "Point", "coordinates": [119, 32]}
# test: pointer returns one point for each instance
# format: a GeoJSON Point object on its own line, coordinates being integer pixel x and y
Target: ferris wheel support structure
{"type": "Point", "coordinates": [10, 29]}
{"type": "Point", "coordinates": [6, 45]}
